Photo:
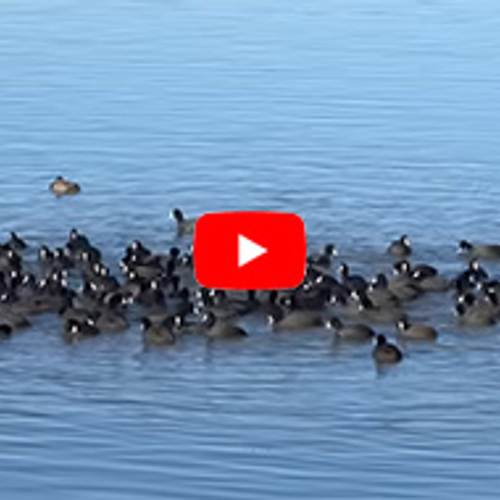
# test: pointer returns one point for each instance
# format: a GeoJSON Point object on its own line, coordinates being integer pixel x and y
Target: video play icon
{"type": "Point", "coordinates": [249, 250]}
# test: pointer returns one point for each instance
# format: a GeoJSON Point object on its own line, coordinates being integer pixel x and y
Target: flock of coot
{"type": "Point", "coordinates": [159, 291]}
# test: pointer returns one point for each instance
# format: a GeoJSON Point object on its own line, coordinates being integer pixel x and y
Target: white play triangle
{"type": "Point", "coordinates": [248, 250]}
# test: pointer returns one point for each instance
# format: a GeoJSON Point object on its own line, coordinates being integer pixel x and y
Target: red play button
{"type": "Point", "coordinates": [249, 250]}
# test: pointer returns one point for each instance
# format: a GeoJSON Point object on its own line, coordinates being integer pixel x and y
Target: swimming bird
{"type": "Point", "coordinates": [489, 296]}
{"type": "Point", "coordinates": [218, 328]}
{"type": "Point", "coordinates": [270, 307]}
{"type": "Point", "coordinates": [222, 306]}
{"type": "Point", "coordinates": [16, 243]}
{"type": "Point", "coordinates": [296, 319]}
{"type": "Point", "coordinates": [428, 279]}
{"type": "Point", "coordinates": [474, 317]}
{"type": "Point", "coordinates": [383, 314]}
{"type": "Point", "coordinates": [403, 284]}
{"type": "Point", "coordinates": [354, 282]}
{"type": "Point", "coordinates": [378, 292]}
{"type": "Point", "coordinates": [312, 298]}
{"type": "Point", "coordinates": [179, 302]}
{"type": "Point", "coordinates": [12, 312]}
{"type": "Point", "coordinates": [400, 248]}
{"type": "Point", "coordinates": [485, 251]}
{"type": "Point", "coordinates": [79, 248]}
{"type": "Point", "coordinates": [385, 352]}
{"type": "Point", "coordinates": [152, 296]}
{"type": "Point", "coordinates": [325, 258]}
{"type": "Point", "coordinates": [109, 320]}
{"type": "Point", "coordinates": [485, 302]}
{"type": "Point", "coordinates": [5, 330]}
{"type": "Point", "coordinates": [472, 277]}
{"type": "Point", "coordinates": [161, 333]}
{"type": "Point", "coordinates": [184, 226]}
{"type": "Point", "coordinates": [10, 260]}
{"type": "Point", "coordinates": [354, 333]}
{"type": "Point", "coordinates": [414, 331]}
{"type": "Point", "coordinates": [61, 187]}
{"type": "Point", "coordinates": [69, 312]}
{"type": "Point", "coordinates": [135, 253]}
{"type": "Point", "coordinates": [75, 331]}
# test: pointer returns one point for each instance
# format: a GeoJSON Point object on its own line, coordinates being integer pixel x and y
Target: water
{"type": "Point", "coordinates": [367, 118]}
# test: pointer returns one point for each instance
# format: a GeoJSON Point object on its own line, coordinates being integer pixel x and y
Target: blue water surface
{"type": "Point", "coordinates": [368, 118]}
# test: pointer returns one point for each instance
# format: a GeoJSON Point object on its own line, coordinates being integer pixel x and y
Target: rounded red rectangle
{"type": "Point", "coordinates": [250, 250]}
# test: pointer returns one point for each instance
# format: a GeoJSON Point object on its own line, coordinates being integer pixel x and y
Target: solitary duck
{"type": "Point", "coordinates": [385, 352]}
{"type": "Point", "coordinates": [61, 186]}
{"type": "Point", "coordinates": [184, 226]}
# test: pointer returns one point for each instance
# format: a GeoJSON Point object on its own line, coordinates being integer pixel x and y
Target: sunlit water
{"type": "Point", "coordinates": [368, 119]}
